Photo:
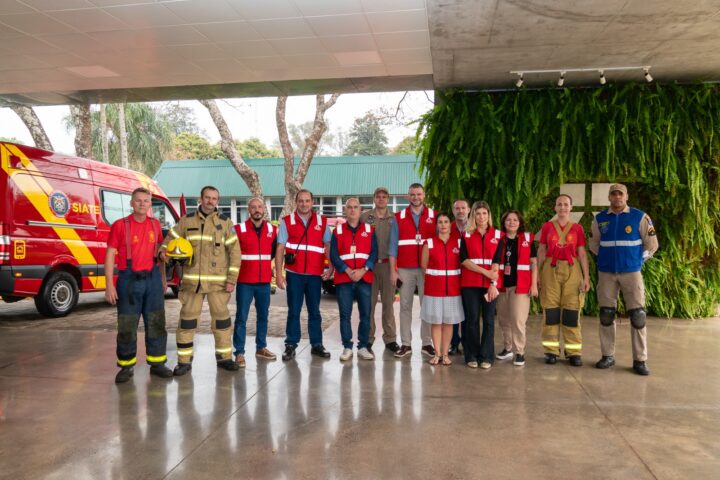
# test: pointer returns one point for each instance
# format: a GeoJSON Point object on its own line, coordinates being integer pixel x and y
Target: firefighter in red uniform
{"type": "Point", "coordinates": [258, 242]}
{"type": "Point", "coordinates": [135, 240]}
{"type": "Point", "coordinates": [408, 233]}
{"type": "Point", "coordinates": [303, 247]}
{"type": "Point", "coordinates": [353, 252]}
{"type": "Point", "coordinates": [563, 283]}
{"type": "Point", "coordinates": [441, 303]}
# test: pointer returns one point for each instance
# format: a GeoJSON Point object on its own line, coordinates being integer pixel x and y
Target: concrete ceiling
{"type": "Point", "coordinates": [64, 51]}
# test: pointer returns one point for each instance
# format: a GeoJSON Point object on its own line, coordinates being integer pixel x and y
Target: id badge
{"type": "Point", "coordinates": [418, 238]}
{"type": "Point", "coordinates": [508, 270]}
{"type": "Point", "coordinates": [353, 249]}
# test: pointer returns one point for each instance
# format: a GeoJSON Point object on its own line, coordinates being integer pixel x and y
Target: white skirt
{"type": "Point", "coordinates": [442, 310]}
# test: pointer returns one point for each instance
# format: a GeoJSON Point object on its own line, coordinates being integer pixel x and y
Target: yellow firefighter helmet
{"type": "Point", "coordinates": [179, 251]}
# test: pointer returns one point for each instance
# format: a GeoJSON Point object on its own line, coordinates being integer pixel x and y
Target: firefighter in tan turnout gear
{"type": "Point", "coordinates": [212, 271]}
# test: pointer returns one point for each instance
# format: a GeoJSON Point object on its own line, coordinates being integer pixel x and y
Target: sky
{"type": "Point", "coordinates": [252, 117]}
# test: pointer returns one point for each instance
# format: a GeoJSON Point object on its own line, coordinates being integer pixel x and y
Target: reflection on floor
{"type": "Point", "coordinates": [61, 415]}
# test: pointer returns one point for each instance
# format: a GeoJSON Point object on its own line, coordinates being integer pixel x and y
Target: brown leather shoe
{"type": "Point", "coordinates": [265, 354]}
{"type": "Point", "coordinates": [240, 360]}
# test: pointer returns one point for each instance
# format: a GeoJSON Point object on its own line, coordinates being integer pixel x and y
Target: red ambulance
{"type": "Point", "coordinates": [55, 217]}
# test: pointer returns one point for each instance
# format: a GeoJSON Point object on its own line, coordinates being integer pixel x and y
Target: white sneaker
{"type": "Point", "coordinates": [485, 365]}
{"type": "Point", "coordinates": [365, 354]}
{"type": "Point", "coordinates": [346, 354]}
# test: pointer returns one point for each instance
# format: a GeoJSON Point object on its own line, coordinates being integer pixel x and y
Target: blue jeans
{"type": "Point", "coordinates": [307, 288]}
{"type": "Point", "coordinates": [244, 294]}
{"type": "Point", "coordinates": [346, 294]}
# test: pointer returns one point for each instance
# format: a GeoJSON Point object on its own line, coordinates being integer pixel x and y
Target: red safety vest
{"type": "Point", "coordinates": [455, 231]}
{"type": "Point", "coordinates": [256, 252]}
{"type": "Point", "coordinates": [355, 257]}
{"type": "Point", "coordinates": [411, 238]}
{"type": "Point", "coordinates": [442, 276]}
{"type": "Point", "coordinates": [480, 250]}
{"type": "Point", "coordinates": [308, 248]}
{"type": "Point", "coordinates": [524, 275]}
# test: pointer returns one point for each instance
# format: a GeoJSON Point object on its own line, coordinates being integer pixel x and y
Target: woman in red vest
{"type": "Point", "coordinates": [517, 260]}
{"type": "Point", "coordinates": [441, 304]}
{"type": "Point", "coordinates": [477, 248]}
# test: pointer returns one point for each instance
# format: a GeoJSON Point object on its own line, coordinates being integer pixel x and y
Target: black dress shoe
{"type": "Point", "coordinates": [392, 347]}
{"type": "Point", "coordinates": [161, 371]}
{"type": "Point", "coordinates": [320, 351]}
{"type": "Point", "coordinates": [228, 365]}
{"type": "Point", "coordinates": [575, 361]}
{"type": "Point", "coordinates": [453, 350]}
{"type": "Point", "coordinates": [124, 375]}
{"type": "Point", "coordinates": [640, 368]}
{"type": "Point", "coordinates": [181, 369]}
{"type": "Point", "coordinates": [289, 353]}
{"type": "Point", "coordinates": [550, 359]}
{"type": "Point", "coordinates": [606, 361]}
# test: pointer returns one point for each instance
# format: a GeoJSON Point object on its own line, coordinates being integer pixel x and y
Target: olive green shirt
{"type": "Point", "coordinates": [382, 229]}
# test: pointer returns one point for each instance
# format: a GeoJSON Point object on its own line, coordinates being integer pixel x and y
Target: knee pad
{"type": "Point", "coordinates": [127, 337]}
{"type": "Point", "coordinates": [570, 318]}
{"type": "Point", "coordinates": [637, 317]}
{"type": "Point", "coordinates": [607, 316]}
{"type": "Point", "coordinates": [223, 324]}
{"type": "Point", "coordinates": [552, 316]}
{"type": "Point", "coordinates": [188, 324]}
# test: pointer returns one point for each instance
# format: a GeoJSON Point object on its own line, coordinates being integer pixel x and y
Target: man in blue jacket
{"type": "Point", "coordinates": [623, 238]}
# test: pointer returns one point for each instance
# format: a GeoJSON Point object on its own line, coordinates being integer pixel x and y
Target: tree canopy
{"type": "Point", "coordinates": [367, 137]}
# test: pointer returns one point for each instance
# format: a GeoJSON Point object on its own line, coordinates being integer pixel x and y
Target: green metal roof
{"type": "Point", "coordinates": [327, 176]}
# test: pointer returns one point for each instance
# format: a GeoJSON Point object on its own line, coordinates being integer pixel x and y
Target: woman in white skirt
{"type": "Point", "coordinates": [441, 303]}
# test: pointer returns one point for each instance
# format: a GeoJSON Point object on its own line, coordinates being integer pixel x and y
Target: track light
{"type": "Point", "coordinates": [520, 81]}
{"type": "Point", "coordinates": [563, 71]}
{"type": "Point", "coordinates": [648, 77]}
{"type": "Point", "coordinates": [561, 80]}
{"type": "Point", "coordinates": [603, 80]}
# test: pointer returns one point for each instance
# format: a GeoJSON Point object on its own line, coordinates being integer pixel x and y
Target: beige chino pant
{"type": "Point", "coordinates": [633, 290]}
{"type": "Point", "coordinates": [512, 313]}
{"type": "Point", "coordinates": [411, 278]}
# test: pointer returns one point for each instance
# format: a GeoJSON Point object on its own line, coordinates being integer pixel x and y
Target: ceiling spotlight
{"type": "Point", "coordinates": [520, 81]}
{"type": "Point", "coordinates": [603, 80]}
{"type": "Point", "coordinates": [648, 77]}
{"type": "Point", "coordinates": [561, 80]}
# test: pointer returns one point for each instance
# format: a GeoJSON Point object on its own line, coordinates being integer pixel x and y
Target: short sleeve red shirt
{"type": "Point", "coordinates": [144, 240]}
{"type": "Point", "coordinates": [575, 238]}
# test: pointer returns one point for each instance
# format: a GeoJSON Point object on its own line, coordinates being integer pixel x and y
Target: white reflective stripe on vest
{"type": "Point", "coordinates": [206, 238]}
{"type": "Point", "coordinates": [481, 261]}
{"type": "Point", "coordinates": [243, 229]}
{"type": "Point", "coordinates": [431, 271]}
{"type": "Point", "coordinates": [304, 247]}
{"type": "Point", "coordinates": [255, 257]}
{"type": "Point", "coordinates": [211, 278]}
{"type": "Point", "coordinates": [620, 243]}
{"type": "Point", "coordinates": [523, 268]}
{"type": "Point", "coordinates": [409, 242]}
{"type": "Point", "coordinates": [351, 256]}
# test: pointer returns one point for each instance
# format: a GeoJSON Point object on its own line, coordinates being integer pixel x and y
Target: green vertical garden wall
{"type": "Point", "coordinates": [515, 149]}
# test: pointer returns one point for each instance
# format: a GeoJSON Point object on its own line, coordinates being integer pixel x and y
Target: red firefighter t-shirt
{"type": "Point", "coordinates": [143, 238]}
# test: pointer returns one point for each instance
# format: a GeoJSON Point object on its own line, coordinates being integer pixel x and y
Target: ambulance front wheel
{"type": "Point", "coordinates": [58, 295]}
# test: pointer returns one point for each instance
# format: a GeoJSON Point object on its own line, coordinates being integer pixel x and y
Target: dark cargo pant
{"type": "Point", "coordinates": [141, 293]}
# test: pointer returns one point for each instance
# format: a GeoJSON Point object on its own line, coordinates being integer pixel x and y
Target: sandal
{"type": "Point", "coordinates": [446, 360]}
{"type": "Point", "coordinates": [434, 360]}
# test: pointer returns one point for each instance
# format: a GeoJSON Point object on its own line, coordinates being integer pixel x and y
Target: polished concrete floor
{"type": "Point", "coordinates": [61, 415]}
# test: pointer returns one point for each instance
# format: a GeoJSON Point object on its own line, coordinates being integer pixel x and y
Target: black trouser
{"type": "Point", "coordinates": [477, 347]}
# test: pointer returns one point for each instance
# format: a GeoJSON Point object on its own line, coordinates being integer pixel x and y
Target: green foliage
{"type": "Point", "coordinates": [367, 137]}
{"type": "Point", "coordinates": [254, 148]}
{"type": "Point", "coordinates": [193, 146]}
{"type": "Point", "coordinates": [149, 136]}
{"type": "Point", "coordinates": [514, 149]}
{"type": "Point", "coordinates": [407, 146]}
{"type": "Point", "coordinates": [180, 118]}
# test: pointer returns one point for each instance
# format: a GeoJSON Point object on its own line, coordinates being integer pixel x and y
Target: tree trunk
{"type": "Point", "coordinates": [32, 122]}
{"type": "Point", "coordinates": [294, 180]}
{"type": "Point", "coordinates": [83, 131]}
{"type": "Point", "coordinates": [227, 145]}
{"type": "Point", "coordinates": [123, 136]}
{"type": "Point", "coordinates": [104, 134]}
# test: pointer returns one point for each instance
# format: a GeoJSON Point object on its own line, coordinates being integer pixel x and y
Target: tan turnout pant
{"type": "Point", "coordinates": [221, 323]}
{"type": "Point", "coordinates": [562, 303]}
